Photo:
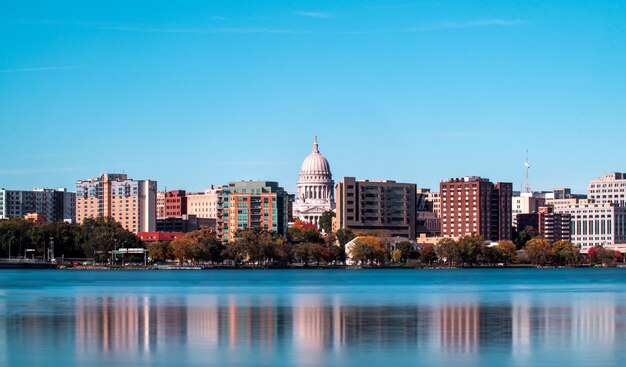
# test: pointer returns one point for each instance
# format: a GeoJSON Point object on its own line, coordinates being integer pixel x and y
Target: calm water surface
{"type": "Point", "coordinates": [523, 317]}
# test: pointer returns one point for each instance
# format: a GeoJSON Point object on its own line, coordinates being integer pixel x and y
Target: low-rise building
{"type": "Point", "coordinates": [184, 223]}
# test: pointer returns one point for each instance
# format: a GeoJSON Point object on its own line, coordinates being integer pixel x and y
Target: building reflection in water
{"type": "Point", "coordinates": [310, 326]}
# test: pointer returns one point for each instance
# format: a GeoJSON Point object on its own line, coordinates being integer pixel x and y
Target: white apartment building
{"type": "Point", "coordinates": [610, 188]}
{"type": "Point", "coordinates": [524, 203]}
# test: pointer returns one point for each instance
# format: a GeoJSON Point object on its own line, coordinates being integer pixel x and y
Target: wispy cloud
{"type": "Point", "coordinates": [470, 23]}
{"type": "Point", "coordinates": [251, 163]}
{"type": "Point", "coordinates": [390, 6]}
{"type": "Point", "coordinates": [41, 68]}
{"type": "Point", "coordinates": [199, 30]}
{"type": "Point", "coordinates": [142, 28]}
{"type": "Point", "coordinates": [314, 14]}
{"type": "Point", "coordinates": [32, 171]}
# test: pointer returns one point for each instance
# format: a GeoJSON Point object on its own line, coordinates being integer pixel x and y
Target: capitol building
{"type": "Point", "coordinates": [315, 188]}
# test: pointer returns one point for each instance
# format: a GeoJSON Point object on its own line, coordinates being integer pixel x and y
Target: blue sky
{"type": "Point", "coordinates": [196, 93]}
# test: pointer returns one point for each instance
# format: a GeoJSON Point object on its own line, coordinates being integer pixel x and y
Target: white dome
{"type": "Point", "coordinates": [315, 164]}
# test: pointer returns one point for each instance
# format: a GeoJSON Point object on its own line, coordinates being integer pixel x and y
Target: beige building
{"type": "Point", "coordinates": [434, 202]}
{"type": "Point", "coordinates": [203, 204]}
{"type": "Point", "coordinates": [610, 188]}
{"type": "Point", "coordinates": [525, 203]}
{"type": "Point", "coordinates": [132, 203]}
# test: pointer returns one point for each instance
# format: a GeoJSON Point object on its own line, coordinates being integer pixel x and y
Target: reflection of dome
{"type": "Point", "coordinates": [315, 164]}
{"type": "Point", "coordinates": [315, 188]}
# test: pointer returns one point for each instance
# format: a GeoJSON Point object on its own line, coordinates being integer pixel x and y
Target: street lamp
{"type": "Point", "coordinates": [51, 249]}
{"type": "Point", "coordinates": [10, 240]}
{"type": "Point", "coordinates": [114, 252]}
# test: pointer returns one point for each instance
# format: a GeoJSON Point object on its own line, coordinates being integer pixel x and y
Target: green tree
{"type": "Point", "coordinates": [302, 253]}
{"type": "Point", "coordinates": [538, 251]}
{"type": "Point", "coordinates": [326, 221]}
{"type": "Point", "coordinates": [565, 253]}
{"type": "Point", "coordinates": [449, 251]}
{"type": "Point", "coordinates": [406, 251]}
{"type": "Point", "coordinates": [337, 254]}
{"type": "Point", "coordinates": [525, 235]}
{"type": "Point", "coordinates": [15, 234]}
{"type": "Point", "coordinates": [471, 248]}
{"type": "Point", "coordinates": [344, 236]}
{"type": "Point", "coordinates": [100, 235]}
{"type": "Point", "coordinates": [160, 251]}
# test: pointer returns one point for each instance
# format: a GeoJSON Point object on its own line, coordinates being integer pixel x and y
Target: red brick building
{"type": "Point", "coordinates": [474, 205]}
{"type": "Point", "coordinates": [159, 236]}
{"type": "Point", "coordinates": [175, 203]}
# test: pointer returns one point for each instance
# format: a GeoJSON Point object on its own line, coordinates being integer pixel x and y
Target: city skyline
{"type": "Point", "coordinates": [412, 91]}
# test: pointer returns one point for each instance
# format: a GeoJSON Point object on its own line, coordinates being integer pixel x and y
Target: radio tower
{"type": "Point", "coordinates": [527, 165]}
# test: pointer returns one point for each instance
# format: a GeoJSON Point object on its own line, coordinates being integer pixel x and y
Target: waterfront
{"type": "Point", "coordinates": [464, 317]}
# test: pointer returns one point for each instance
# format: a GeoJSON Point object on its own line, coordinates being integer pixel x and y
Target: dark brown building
{"type": "Point", "coordinates": [385, 206]}
{"type": "Point", "coordinates": [550, 225]}
{"type": "Point", "coordinates": [175, 203]}
{"type": "Point", "coordinates": [474, 205]}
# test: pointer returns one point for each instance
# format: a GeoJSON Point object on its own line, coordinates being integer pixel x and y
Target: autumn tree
{"type": "Point", "coordinates": [538, 251]}
{"type": "Point", "coordinates": [369, 250]}
{"type": "Point", "coordinates": [428, 254]}
{"type": "Point", "coordinates": [160, 251]}
{"type": "Point", "coordinates": [507, 252]}
{"type": "Point", "coordinates": [302, 232]}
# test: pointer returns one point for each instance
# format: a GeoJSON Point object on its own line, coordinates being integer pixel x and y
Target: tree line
{"type": "Point", "coordinates": [20, 238]}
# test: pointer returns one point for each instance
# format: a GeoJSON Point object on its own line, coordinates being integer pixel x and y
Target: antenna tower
{"type": "Point", "coordinates": [527, 165]}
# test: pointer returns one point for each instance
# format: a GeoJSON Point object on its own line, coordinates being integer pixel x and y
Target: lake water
{"type": "Point", "coordinates": [482, 317]}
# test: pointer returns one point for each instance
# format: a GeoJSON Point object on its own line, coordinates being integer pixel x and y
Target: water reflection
{"type": "Point", "coordinates": [308, 330]}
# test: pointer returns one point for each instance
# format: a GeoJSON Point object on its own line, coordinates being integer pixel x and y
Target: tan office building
{"type": "Point", "coordinates": [385, 206]}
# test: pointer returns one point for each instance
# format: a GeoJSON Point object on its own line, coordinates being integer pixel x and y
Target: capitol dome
{"type": "Point", "coordinates": [315, 188]}
{"type": "Point", "coordinates": [315, 165]}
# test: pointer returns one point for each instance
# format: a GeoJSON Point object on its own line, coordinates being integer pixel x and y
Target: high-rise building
{"type": "Point", "coordinates": [610, 188]}
{"type": "Point", "coordinates": [385, 206]}
{"type": "Point", "coordinates": [203, 204]}
{"type": "Point", "coordinates": [596, 224]}
{"type": "Point", "coordinates": [251, 204]}
{"type": "Point", "coordinates": [315, 188]}
{"type": "Point", "coordinates": [474, 205]}
{"type": "Point", "coordinates": [132, 203]}
{"type": "Point", "coordinates": [601, 219]}
{"type": "Point", "coordinates": [55, 205]}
